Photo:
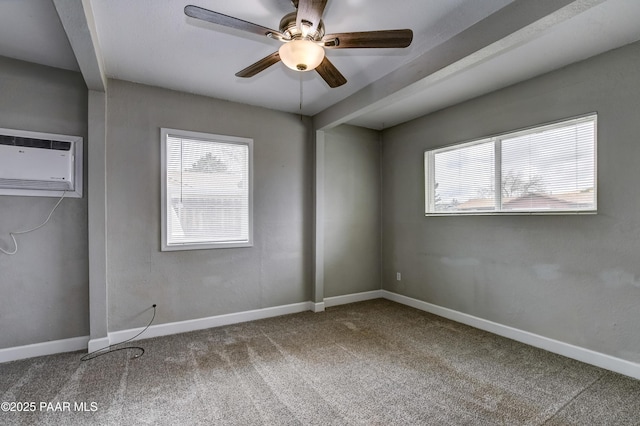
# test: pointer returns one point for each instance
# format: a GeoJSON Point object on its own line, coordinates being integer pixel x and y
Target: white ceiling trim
{"type": "Point", "coordinates": [513, 25]}
{"type": "Point", "coordinates": [79, 24]}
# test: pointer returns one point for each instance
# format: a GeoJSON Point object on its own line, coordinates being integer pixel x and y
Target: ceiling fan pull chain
{"type": "Point", "coordinates": [300, 95]}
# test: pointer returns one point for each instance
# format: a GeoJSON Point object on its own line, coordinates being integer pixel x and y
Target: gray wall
{"type": "Point", "coordinates": [191, 284]}
{"type": "Point", "coordinates": [352, 211]}
{"type": "Point", "coordinates": [45, 285]}
{"type": "Point", "coordinates": [571, 278]}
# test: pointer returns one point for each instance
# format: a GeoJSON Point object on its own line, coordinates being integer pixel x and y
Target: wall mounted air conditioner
{"type": "Point", "coordinates": [40, 164]}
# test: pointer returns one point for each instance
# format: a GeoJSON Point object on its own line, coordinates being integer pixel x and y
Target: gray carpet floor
{"type": "Point", "coordinates": [369, 363]}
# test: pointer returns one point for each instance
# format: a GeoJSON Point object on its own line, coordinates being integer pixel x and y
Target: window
{"type": "Point", "coordinates": [547, 169]}
{"type": "Point", "coordinates": [206, 191]}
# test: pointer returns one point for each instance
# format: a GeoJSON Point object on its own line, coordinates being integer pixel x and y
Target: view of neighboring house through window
{"type": "Point", "coordinates": [206, 191]}
{"type": "Point", "coordinates": [547, 169]}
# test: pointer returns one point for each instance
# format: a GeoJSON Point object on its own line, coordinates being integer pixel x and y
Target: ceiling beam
{"type": "Point", "coordinates": [513, 25]}
{"type": "Point", "coordinates": [79, 24]}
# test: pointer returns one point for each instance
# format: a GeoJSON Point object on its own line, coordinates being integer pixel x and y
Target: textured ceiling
{"type": "Point", "coordinates": [602, 27]}
{"type": "Point", "coordinates": [153, 42]}
{"type": "Point", "coordinates": [31, 31]}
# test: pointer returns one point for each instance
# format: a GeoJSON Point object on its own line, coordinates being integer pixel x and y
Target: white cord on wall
{"type": "Point", "coordinates": [13, 234]}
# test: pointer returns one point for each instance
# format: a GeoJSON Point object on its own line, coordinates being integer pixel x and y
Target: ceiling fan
{"type": "Point", "coordinates": [304, 39]}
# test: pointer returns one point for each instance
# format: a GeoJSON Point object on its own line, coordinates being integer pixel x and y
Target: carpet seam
{"type": "Point", "coordinates": [576, 396]}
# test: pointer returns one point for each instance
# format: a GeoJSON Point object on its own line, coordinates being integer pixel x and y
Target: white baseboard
{"type": "Point", "coordinates": [97, 344]}
{"type": "Point", "coordinates": [44, 348]}
{"type": "Point", "coordinates": [317, 307]}
{"type": "Point", "coordinates": [588, 356]}
{"type": "Point", "coordinates": [352, 298]}
{"type": "Point", "coordinates": [209, 322]}
{"type": "Point", "coordinates": [79, 343]}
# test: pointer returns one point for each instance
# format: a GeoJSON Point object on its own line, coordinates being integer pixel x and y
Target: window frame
{"type": "Point", "coordinates": [232, 140]}
{"type": "Point", "coordinates": [496, 139]}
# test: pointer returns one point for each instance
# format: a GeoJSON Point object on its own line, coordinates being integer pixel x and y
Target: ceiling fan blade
{"type": "Point", "coordinates": [311, 12]}
{"type": "Point", "coordinates": [230, 21]}
{"type": "Point", "coordinates": [330, 73]}
{"type": "Point", "coordinates": [259, 66]}
{"type": "Point", "coordinates": [368, 39]}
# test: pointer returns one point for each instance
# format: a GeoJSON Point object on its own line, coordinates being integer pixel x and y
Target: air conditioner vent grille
{"type": "Point", "coordinates": [35, 143]}
{"type": "Point", "coordinates": [36, 184]}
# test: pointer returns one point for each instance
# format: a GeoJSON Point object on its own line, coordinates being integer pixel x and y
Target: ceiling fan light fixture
{"type": "Point", "coordinates": [301, 55]}
{"type": "Point", "coordinates": [304, 38]}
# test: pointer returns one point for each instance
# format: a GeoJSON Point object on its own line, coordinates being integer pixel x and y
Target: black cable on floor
{"type": "Point", "coordinates": [112, 348]}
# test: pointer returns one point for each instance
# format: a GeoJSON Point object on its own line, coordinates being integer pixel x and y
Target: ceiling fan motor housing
{"type": "Point", "coordinates": [289, 29]}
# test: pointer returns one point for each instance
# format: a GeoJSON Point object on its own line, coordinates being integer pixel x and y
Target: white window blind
{"type": "Point", "coordinates": [461, 173]}
{"type": "Point", "coordinates": [547, 169]}
{"type": "Point", "coordinates": [207, 191]}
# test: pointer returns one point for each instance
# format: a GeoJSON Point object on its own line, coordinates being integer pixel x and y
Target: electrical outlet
{"type": "Point", "coordinates": [398, 276]}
